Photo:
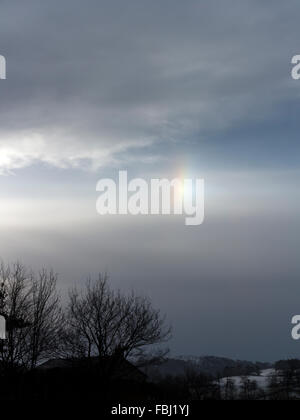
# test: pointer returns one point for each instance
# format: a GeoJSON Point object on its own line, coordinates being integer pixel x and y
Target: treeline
{"type": "Point", "coordinates": [279, 386]}
{"type": "Point", "coordinates": [243, 369]}
{"type": "Point", "coordinates": [282, 383]}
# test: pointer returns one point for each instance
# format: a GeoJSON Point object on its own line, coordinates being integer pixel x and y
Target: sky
{"type": "Point", "coordinates": [160, 89]}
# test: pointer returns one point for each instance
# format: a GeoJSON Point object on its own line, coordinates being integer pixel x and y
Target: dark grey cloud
{"type": "Point", "coordinates": [102, 77]}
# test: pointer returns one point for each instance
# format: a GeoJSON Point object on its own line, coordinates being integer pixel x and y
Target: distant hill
{"type": "Point", "coordinates": [209, 365]}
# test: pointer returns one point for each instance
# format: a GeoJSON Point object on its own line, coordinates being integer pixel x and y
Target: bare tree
{"type": "Point", "coordinates": [249, 389]}
{"type": "Point", "coordinates": [15, 305]}
{"type": "Point", "coordinates": [104, 323]}
{"type": "Point", "coordinates": [229, 390]}
{"type": "Point", "coordinates": [201, 386]}
{"type": "Point", "coordinates": [34, 319]}
{"type": "Point", "coordinates": [46, 320]}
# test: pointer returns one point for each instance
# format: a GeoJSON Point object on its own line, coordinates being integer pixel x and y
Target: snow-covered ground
{"type": "Point", "coordinates": [262, 380]}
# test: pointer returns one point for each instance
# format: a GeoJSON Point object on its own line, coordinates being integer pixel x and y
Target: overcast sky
{"type": "Point", "coordinates": [160, 88]}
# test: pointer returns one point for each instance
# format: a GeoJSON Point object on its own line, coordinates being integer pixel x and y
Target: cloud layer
{"type": "Point", "coordinates": [88, 82]}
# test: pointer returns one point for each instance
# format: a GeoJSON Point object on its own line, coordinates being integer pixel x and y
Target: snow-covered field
{"type": "Point", "coordinates": [262, 380]}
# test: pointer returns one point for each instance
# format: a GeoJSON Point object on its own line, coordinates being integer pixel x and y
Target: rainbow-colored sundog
{"type": "Point", "coordinates": [157, 197]}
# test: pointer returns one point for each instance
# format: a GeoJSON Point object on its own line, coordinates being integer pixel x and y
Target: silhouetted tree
{"type": "Point", "coordinates": [229, 390]}
{"type": "Point", "coordinates": [249, 389]}
{"type": "Point", "coordinates": [34, 320]}
{"type": "Point", "coordinates": [201, 386]}
{"type": "Point", "coordinates": [46, 320]}
{"type": "Point", "coordinates": [104, 323]}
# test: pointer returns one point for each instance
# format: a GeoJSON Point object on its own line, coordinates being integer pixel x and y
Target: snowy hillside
{"type": "Point", "coordinates": [261, 380]}
{"type": "Point", "coordinates": [209, 365]}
